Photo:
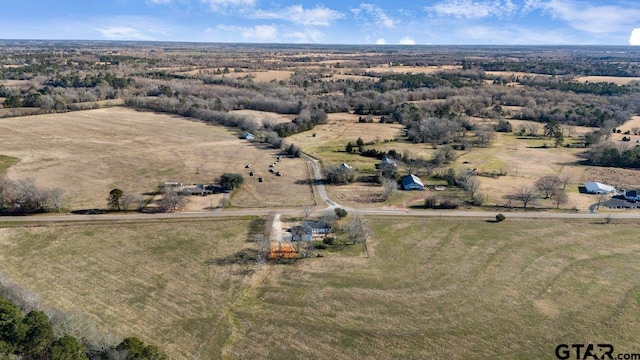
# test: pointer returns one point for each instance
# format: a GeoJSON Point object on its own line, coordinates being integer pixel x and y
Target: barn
{"type": "Point", "coordinates": [594, 187]}
{"type": "Point", "coordinates": [412, 182]}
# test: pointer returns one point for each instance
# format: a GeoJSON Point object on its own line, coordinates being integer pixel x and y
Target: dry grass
{"type": "Point", "coordinates": [88, 153]}
{"type": "Point", "coordinates": [258, 76]}
{"type": "Point", "coordinates": [330, 140]}
{"type": "Point", "coordinates": [261, 116]}
{"type": "Point", "coordinates": [414, 69]}
{"type": "Point", "coordinates": [618, 80]}
{"type": "Point", "coordinates": [454, 289]}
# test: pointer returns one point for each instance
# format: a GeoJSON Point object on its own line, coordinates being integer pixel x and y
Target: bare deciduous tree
{"type": "Point", "coordinates": [172, 201]}
{"type": "Point", "coordinates": [525, 194]}
{"type": "Point", "coordinates": [560, 198]}
{"type": "Point", "coordinates": [390, 187]}
{"type": "Point", "coordinates": [307, 210]}
{"type": "Point", "coordinates": [548, 185]}
{"type": "Point", "coordinates": [358, 231]}
{"type": "Point", "coordinates": [56, 198]}
{"type": "Point", "coordinates": [533, 128]}
{"type": "Point", "coordinates": [565, 179]}
{"type": "Point", "coordinates": [472, 185]}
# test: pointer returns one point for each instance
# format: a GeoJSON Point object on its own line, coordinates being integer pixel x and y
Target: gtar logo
{"type": "Point", "coordinates": [584, 351]}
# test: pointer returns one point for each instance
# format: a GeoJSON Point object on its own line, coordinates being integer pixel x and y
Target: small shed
{"type": "Point", "coordinates": [387, 163]}
{"type": "Point", "coordinates": [412, 182]}
{"type": "Point", "coordinates": [594, 187]}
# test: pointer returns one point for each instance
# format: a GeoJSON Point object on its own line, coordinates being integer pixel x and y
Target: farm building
{"type": "Point", "coordinates": [198, 189]}
{"type": "Point", "coordinates": [632, 195]}
{"type": "Point", "coordinates": [172, 184]}
{"type": "Point", "coordinates": [387, 163]}
{"type": "Point", "coordinates": [247, 136]}
{"type": "Point", "coordinates": [594, 187]}
{"type": "Point", "coordinates": [412, 182]}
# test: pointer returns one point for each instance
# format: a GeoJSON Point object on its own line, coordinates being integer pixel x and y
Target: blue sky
{"type": "Point", "coordinates": [440, 22]}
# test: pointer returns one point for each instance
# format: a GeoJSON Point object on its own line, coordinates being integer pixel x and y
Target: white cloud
{"type": "Point", "coordinates": [122, 33]}
{"type": "Point", "coordinates": [513, 35]}
{"type": "Point", "coordinates": [228, 5]}
{"type": "Point", "coordinates": [160, 1]}
{"type": "Point", "coordinates": [407, 41]}
{"type": "Point", "coordinates": [381, 41]}
{"type": "Point", "coordinates": [125, 27]}
{"type": "Point", "coordinates": [306, 36]}
{"type": "Point", "coordinates": [530, 5]}
{"type": "Point", "coordinates": [592, 18]}
{"type": "Point", "coordinates": [380, 18]}
{"type": "Point", "coordinates": [318, 16]}
{"type": "Point", "coordinates": [469, 9]}
{"type": "Point", "coordinates": [634, 39]}
{"type": "Point", "coordinates": [257, 33]}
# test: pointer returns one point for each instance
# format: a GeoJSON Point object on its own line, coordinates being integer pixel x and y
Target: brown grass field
{"type": "Point", "coordinates": [437, 288]}
{"type": "Point", "coordinates": [260, 116]}
{"type": "Point", "coordinates": [618, 80]}
{"type": "Point", "coordinates": [88, 153]}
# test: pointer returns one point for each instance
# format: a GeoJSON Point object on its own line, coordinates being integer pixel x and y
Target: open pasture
{"type": "Point", "coordinates": [413, 69]}
{"type": "Point", "coordinates": [330, 139]}
{"type": "Point", "coordinates": [88, 153]}
{"type": "Point", "coordinates": [260, 117]}
{"type": "Point", "coordinates": [618, 80]}
{"type": "Point", "coordinates": [510, 290]}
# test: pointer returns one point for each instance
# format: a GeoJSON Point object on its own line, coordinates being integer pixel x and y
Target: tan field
{"type": "Point", "coordinates": [193, 289]}
{"type": "Point", "coordinates": [330, 139]}
{"type": "Point", "coordinates": [261, 116]}
{"type": "Point", "coordinates": [514, 73]}
{"type": "Point", "coordinates": [414, 69]}
{"type": "Point", "coordinates": [259, 76]}
{"type": "Point", "coordinates": [88, 153]}
{"type": "Point", "coordinates": [618, 80]}
{"type": "Point", "coordinates": [350, 77]}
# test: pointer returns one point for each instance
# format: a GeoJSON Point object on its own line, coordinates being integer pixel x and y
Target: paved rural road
{"type": "Point", "coordinates": [331, 205]}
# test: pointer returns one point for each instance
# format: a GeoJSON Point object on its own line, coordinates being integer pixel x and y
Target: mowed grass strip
{"type": "Point", "coordinates": [436, 288]}
{"type": "Point", "coordinates": [6, 162]}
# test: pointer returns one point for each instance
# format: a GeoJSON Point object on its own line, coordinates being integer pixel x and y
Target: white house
{"type": "Point", "coordinates": [594, 187]}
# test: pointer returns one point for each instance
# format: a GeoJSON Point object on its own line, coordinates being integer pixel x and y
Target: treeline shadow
{"type": "Point", "coordinates": [241, 257]}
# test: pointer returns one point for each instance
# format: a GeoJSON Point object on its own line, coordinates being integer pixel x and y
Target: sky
{"type": "Point", "coordinates": [405, 22]}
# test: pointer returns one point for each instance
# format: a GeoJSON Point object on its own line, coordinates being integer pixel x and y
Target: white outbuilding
{"type": "Point", "coordinates": [594, 187]}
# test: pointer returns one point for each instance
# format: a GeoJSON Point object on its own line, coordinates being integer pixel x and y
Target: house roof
{"type": "Point", "coordinates": [594, 186]}
{"type": "Point", "coordinates": [411, 179]}
{"type": "Point", "coordinates": [388, 161]}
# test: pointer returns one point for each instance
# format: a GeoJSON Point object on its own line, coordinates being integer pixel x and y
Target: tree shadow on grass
{"type": "Point", "coordinates": [241, 257]}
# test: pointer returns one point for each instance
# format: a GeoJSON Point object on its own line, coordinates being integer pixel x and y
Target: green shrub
{"type": "Point", "coordinates": [500, 218]}
{"type": "Point", "coordinates": [340, 212]}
